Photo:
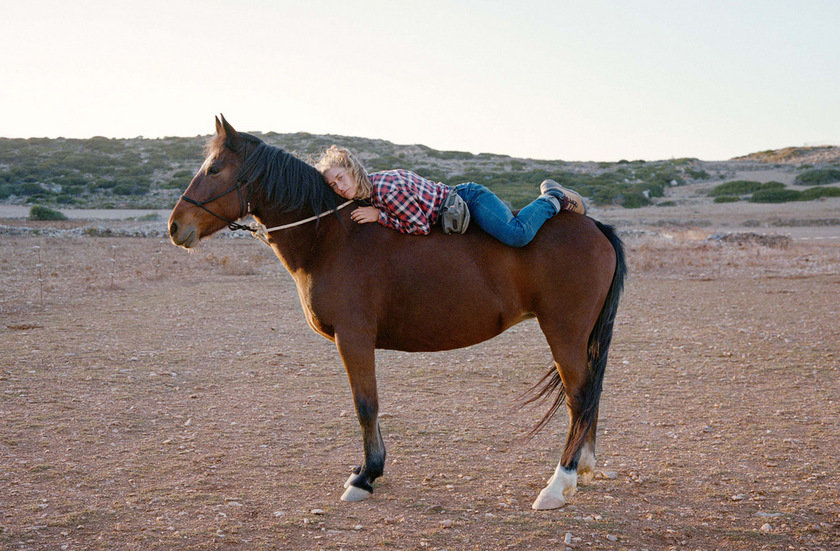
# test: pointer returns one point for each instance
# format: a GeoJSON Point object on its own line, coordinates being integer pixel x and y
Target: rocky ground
{"type": "Point", "coordinates": [155, 399]}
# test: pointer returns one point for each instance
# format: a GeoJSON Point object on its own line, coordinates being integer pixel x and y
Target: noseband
{"type": "Point", "coordinates": [244, 207]}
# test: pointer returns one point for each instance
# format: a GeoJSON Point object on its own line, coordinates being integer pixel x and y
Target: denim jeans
{"type": "Point", "coordinates": [494, 217]}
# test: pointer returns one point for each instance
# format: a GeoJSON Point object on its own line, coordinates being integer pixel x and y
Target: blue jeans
{"type": "Point", "coordinates": [495, 217]}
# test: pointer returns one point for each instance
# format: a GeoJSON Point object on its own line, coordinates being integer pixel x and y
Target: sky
{"type": "Point", "coordinates": [589, 80]}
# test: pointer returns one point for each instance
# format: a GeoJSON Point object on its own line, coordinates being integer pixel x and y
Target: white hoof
{"type": "Point", "coordinates": [347, 482]}
{"type": "Point", "coordinates": [353, 493]}
{"type": "Point", "coordinates": [545, 502]}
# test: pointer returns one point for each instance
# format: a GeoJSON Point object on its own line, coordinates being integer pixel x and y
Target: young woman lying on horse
{"type": "Point", "coordinates": [404, 201]}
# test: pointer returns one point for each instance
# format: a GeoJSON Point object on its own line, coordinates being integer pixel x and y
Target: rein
{"type": "Point", "coordinates": [261, 232]}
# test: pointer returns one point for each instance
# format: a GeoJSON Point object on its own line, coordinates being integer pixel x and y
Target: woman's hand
{"type": "Point", "coordinates": [363, 215]}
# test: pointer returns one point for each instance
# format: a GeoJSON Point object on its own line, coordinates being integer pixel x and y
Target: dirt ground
{"type": "Point", "coordinates": [155, 399]}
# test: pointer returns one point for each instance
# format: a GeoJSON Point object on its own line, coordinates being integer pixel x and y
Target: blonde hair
{"type": "Point", "coordinates": [341, 157]}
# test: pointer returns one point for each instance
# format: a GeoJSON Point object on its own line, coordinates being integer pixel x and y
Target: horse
{"type": "Point", "coordinates": [363, 287]}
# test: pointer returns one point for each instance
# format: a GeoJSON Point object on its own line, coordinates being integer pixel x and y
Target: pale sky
{"type": "Point", "coordinates": [546, 79]}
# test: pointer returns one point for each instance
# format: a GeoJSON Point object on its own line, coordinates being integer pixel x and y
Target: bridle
{"type": "Point", "coordinates": [244, 207]}
{"type": "Point", "coordinates": [259, 231]}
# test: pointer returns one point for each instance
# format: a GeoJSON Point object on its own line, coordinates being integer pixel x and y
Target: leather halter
{"type": "Point", "coordinates": [258, 231]}
{"type": "Point", "coordinates": [244, 208]}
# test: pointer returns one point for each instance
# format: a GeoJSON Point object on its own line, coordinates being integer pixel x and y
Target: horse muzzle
{"type": "Point", "coordinates": [183, 234]}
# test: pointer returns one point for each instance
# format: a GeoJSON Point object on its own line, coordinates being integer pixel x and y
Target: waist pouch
{"type": "Point", "coordinates": [454, 213]}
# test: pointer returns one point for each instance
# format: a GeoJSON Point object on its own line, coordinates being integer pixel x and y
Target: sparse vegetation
{"type": "Point", "coordinates": [145, 173]}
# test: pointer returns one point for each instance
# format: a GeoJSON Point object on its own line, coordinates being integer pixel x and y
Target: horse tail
{"type": "Point", "coordinates": [596, 355]}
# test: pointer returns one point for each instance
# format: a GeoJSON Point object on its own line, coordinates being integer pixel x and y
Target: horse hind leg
{"type": "Point", "coordinates": [586, 459]}
{"type": "Point", "coordinates": [578, 452]}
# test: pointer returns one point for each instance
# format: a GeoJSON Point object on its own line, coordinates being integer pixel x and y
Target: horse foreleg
{"type": "Point", "coordinates": [358, 358]}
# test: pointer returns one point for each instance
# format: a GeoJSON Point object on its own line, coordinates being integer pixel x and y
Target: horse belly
{"type": "Point", "coordinates": [444, 321]}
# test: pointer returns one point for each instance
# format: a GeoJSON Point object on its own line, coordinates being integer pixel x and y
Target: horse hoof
{"type": "Point", "coordinates": [545, 502]}
{"type": "Point", "coordinates": [353, 493]}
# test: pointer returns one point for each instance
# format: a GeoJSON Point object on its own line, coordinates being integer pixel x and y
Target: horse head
{"type": "Point", "coordinates": [216, 197]}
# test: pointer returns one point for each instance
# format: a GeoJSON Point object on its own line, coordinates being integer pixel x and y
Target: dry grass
{"type": "Point", "coordinates": [690, 254]}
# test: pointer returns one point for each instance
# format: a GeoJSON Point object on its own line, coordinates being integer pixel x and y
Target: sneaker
{"type": "Point", "coordinates": [569, 200]}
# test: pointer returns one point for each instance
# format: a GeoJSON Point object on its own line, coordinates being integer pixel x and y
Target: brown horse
{"type": "Point", "coordinates": [366, 287]}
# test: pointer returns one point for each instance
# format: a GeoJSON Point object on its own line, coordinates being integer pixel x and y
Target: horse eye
{"type": "Point", "coordinates": [213, 169]}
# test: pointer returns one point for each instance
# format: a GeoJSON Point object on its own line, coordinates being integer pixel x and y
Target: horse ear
{"type": "Point", "coordinates": [232, 138]}
{"type": "Point", "coordinates": [219, 128]}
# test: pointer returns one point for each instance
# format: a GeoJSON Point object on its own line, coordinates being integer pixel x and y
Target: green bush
{"type": "Point", "coordinates": [818, 177]}
{"type": "Point", "coordinates": [743, 187]}
{"type": "Point", "coordinates": [38, 212]}
{"type": "Point", "coordinates": [775, 196]}
{"type": "Point", "coordinates": [633, 200]}
{"type": "Point", "coordinates": [29, 188]}
{"type": "Point", "coordinates": [131, 189]}
{"type": "Point", "coordinates": [727, 199]}
{"type": "Point", "coordinates": [697, 174]}
{"type": "Point", "coordinates": [819, 193]}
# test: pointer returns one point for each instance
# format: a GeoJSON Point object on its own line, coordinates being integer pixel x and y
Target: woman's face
{"type": "Point", "coordinates": [341, 181]}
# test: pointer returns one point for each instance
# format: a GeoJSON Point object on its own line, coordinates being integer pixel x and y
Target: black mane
{"type": "Point", "coordinates": [289, 183]}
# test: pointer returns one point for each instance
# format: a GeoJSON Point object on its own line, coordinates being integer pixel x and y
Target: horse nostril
{"type": "Point", "coordinates": [173, 229]}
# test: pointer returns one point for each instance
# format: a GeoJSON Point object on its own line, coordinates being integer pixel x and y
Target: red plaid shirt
{"type": "Point", "coordinates": [407, 202]}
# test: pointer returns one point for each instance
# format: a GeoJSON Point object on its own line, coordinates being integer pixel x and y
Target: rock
{"type": "Point", "coordinates": [317, 511]}
{"type": "Point", "coordinates": [612, 538]}
{"type": "Point", "coordinates": [766, 527]}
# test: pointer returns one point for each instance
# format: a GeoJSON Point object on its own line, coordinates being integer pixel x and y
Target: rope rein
{"type": "Point", "coordinates": [260, 232]}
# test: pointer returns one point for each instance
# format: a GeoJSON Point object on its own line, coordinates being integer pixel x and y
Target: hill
{"type": "Point", "coordinates": [796, 155]}
{"type": "Point", "coordinates": [151, 173]}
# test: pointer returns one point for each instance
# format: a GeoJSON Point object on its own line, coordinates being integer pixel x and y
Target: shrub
{"type": "Point", "coordinates": [634, 200]}
{"type": "Point", "coordinates": [743, 187]}
{"type": "Point", "coordinates": [818, 177]}
{"type": "Point", "coordinates": [819, 193]}
{"type": "Point", "coordinates": [30, 188]}
{"type": "Point", "coordinates": [38, 212]}
{"type": "Point", "coordinates": [697, 174]}
{"type": "Point", "coordinates": [727, 199]}
{"type": "Point", "coordinates": [131, 189]}
{"type": "Point", "coordinates": [775, 196]}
